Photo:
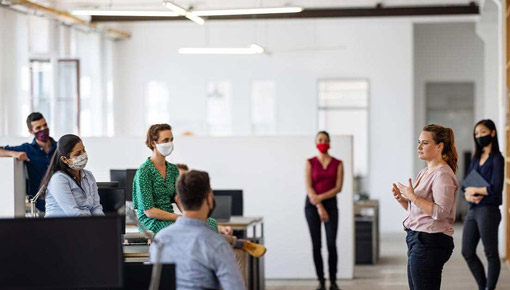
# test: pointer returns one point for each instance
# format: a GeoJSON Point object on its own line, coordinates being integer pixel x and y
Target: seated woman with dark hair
{"type": "Point", "coordinates": [69, 189]}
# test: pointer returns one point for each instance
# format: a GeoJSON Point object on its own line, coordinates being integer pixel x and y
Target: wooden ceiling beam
{"type": "Point", "coordinates": [67, 17]}
{"type": "Point", "coordinates": [379, 11]}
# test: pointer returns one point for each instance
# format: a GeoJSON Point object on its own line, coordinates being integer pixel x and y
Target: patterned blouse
{"type": "Point", "coordinates": [150, 190]}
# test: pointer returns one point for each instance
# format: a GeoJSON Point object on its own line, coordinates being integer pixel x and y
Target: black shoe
{"type": "Point", "coordinates": [333, 286]}
{"type": "Point", "coordinates": [321, 286]}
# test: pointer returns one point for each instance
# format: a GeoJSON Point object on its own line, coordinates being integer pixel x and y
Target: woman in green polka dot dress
{"type": "Point", "coordinates": [154, 182]}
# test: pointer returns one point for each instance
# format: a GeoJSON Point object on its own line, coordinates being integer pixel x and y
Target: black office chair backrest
{"type": "Point", "coordinates": [237, 199]}
{"type": "Point", "coordinates": [112, 199]}
{"type": "Point", "coordinates": [138, 276]}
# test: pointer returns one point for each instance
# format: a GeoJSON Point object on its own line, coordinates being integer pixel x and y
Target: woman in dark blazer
{"type": "Point", "coordinates": [483, 218]}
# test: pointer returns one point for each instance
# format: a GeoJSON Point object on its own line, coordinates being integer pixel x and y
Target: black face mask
{"type": "Point", "coordinates": [484, 141]}
{"type": "Point", "coordinates": [212, 209]}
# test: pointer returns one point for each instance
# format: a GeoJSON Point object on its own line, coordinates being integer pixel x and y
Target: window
{"type": "Point", "coordinates": [62, 111]}
{"type": "Point", "coordinates": [41, 83]}
{"type": "Point", "coordinates": [67, 104]}
{"type": "Point", "coordinates": [219, 108]}
{"type": "Point", "coordinates": [263, 108]}
{"type": "Point", "coordinates": [343, 110]}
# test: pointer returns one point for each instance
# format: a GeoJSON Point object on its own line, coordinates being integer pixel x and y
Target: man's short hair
{"type": "Point", "coordinates": [182, 166]}
{"type": "Point", "coordinates": [35, 116]}
{"type": "Point", "coordinates": [192, 188]}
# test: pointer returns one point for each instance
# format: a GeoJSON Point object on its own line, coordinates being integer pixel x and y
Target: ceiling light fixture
{"type": "Point", "coordinates": [174, 13]}
{"type": "Point", "coordinates": [252, 49]}
{"type": "Point", "coordinates": [124, 13]}
{"type": "Point", "coordinates": [183, 12]}
{"type": "Point", "coordinates": [249, 11]}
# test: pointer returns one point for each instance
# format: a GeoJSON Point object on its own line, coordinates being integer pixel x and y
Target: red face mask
{"type": "Point", "coordinates": [323, 147]}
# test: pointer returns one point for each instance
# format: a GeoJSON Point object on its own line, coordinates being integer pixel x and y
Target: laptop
{"type": "Point", "coordinates": [223, 209]}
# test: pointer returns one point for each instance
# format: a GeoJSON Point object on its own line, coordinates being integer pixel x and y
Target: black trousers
{"type": "Point", "coordinates": [426, 256]}
{"type": "Point", "coordinates": [482, 222]}
{"type": "Point", "coordinates": [314, 225]}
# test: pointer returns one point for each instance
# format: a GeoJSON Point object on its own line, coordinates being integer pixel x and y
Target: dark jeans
{"type": "Point", "coordinates": [426, 256]}
{"type": "Point", "coordinates": [314, 225]}
{"type": "Point", "coordinates": [482, 222]}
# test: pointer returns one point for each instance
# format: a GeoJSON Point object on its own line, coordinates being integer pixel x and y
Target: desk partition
{"type": "Point", "coordinates": [12, 183]}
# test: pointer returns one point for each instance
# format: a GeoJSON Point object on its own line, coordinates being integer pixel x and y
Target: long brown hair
{"type": "Point", "coordinates": [444, 135]}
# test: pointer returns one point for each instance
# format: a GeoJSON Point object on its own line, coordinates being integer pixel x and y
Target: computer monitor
{"type": "Point", "coordinates": [113, 199]}
{"type": "Point", "coordinates": [111, 184]}
{"type": "Point", "coordinates": [138, 276]}
{"type": "Point", "coordinates": [237, 199]}
{"type": "Point", "coordinates": [61, 253]}
{"type": "Point", "coordinates": [125, 178]}
{"type": "Point", "coordinates": [223, 208]}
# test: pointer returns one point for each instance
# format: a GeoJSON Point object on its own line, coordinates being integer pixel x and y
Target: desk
{"type": "Point", "coordinates": [253, 230]}
{"type": "Point", "coordinates": [136, 253]}
{"type": "Point", "coordinates": [255, 266]}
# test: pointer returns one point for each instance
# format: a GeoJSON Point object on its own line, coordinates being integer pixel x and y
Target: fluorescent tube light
{"type": "Point", "coordinates": [252, 49]}
{"type": "Point", "coordinates": [179, 11]}
{"type": "Point", "coordinates": [124, 13]}
{"type": "Point", "coordinates": [248, 11]}
{"type": "Point", "coordinates": [175, 8]}
{"type": "Point", "coordinates": [193, 17]}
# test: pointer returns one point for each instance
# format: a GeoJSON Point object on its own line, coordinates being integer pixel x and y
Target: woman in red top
{"type": "Point", "coordinates": [324, 178]}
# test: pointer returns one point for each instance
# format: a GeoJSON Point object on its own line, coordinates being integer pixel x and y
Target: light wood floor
{"type": "Point", "coordinates": [390, 272]}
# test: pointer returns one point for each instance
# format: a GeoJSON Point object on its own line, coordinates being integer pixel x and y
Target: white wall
{"type": "Point", "coordinates": [491, 29]}
{"type": "Point", "coordinates": [487, 30]}
{"type": "Point", "coordinates": [378, 50]}
{"type": "Point", "coordinates": [14, 66]}
{"type": "Point", "coordinates": [270, 170]}
{"type": "Point", "coordinates": [446, 52]}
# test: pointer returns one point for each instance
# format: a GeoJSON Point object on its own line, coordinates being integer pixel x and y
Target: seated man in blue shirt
{"type": "Point", "coordinates": [37, 155]}
{"type": "Point", "coordinates": [204, 260]}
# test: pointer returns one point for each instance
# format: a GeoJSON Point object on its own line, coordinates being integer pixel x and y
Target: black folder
{"type": "Point", "coordinates": [474, 179]}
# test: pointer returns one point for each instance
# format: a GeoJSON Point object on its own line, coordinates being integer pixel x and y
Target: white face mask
{"type": "Point", "coordinates": [79, 162]}
{"type": "Point", "coordinates": [165, 148]}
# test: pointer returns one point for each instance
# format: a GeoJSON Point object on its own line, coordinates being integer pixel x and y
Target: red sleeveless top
{"type": "Point", "coordinates": [324, 179]}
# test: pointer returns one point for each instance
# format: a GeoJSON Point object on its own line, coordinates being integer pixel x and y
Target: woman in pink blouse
{"type": "Point", "coordinates": [430, 205]}
{"type": "Point", "coordinates": [324, 178]}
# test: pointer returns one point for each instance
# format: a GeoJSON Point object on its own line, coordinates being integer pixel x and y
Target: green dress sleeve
{"type": "Point", "coordinates": [143, 189]}
{"type": "Point", "coordinates": [212, 223]}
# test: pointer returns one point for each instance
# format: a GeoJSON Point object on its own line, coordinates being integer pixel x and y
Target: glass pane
{"type": "Point", "coordinates": [66, 105]}
{"type": "Point", "coordinates": [343, 93]}
{"type": "Point", "coordinates": [41, 78]}
{"type": "Point", "coordinates": [219, 108]}
{"type": "Point", "coordinates": [156, 103]}
{"type": "Point", "coordinates": [263, 108]}
{"type": "Point", "coordinates": [349, 122]}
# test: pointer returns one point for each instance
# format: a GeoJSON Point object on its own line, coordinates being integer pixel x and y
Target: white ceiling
{"type": "Point", "coordinates": [223, 4]}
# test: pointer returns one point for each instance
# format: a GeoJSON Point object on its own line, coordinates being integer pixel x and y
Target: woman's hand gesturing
{"type": "Point", "coordinates": [397, 194]}
{"type": "Point", "coordinates": [407, 192]}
